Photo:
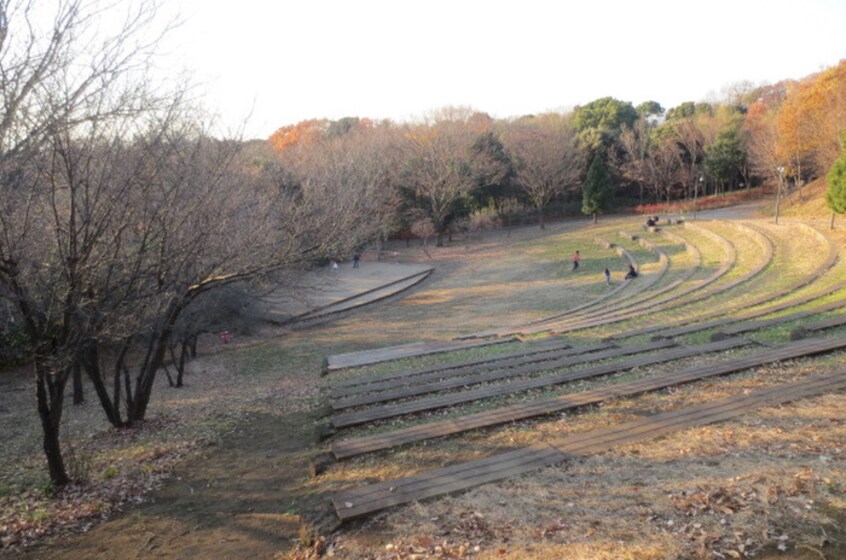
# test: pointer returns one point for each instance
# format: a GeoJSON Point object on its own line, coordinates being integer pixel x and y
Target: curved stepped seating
{"type": "Point", "coordinates": [644, 294]}
{"type": "Point", "coordinates": [514, 329]}
{"type": "Point", "coordinates": [648, 295]}
{"type": "Point", "coordinates": [406, 378]}
{"type": "Point", "coordinates": [403, 390]}
{"type": "Point", "coordinates": [536, 407]}
{"type": "Point", "coordinates": [697, 292]}
{"type": "Point", "coordinates": [402, 351]}
{"type": "Point", "coordinates": [432, 403]}
{"type": "Point", "coordinates": [357, 502]}
{"type": "Point", "coordinates": [676, 304]}
{"type": "Point", "coordinates": [587, 308]}
{"type": "Point", "coordinates": [703, 322]}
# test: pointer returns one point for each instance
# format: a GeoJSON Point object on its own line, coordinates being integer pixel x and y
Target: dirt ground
{"type": "Point", "coordinates": [237, 501]}
{"type": "Point", "coordinates": [248, 495]}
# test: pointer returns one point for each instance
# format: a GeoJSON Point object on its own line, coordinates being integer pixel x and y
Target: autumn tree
{"type": "Point", "coordinates": [546, 157]}
{"type": "Point", "coordinates": [440, 174]}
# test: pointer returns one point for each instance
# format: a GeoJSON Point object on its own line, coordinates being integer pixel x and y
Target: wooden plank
{"type": "Point", "coordinates": [764, 323]}
{"type": "Point", "coordinates": [361, 501]}
{"type": "Point", "coordinates": [411, 350]}
{"type": "Point", "coordinates": [379, 413]}
{"type": "Point", "coordinates": [420, 375]}
{"type": "Point", "coordinates": [404, 390]}
{"type": "Point", "coordinates": [668, 422]}
{"type": "Point", "coordinates": [357, 446]}
{"type": "Point", "coordinates": [830, 323]}
{"type": "Point", "coordinates": [368, 499]}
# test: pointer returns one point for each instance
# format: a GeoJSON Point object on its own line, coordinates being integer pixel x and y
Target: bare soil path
{"type": "Point", "coordinates": [235, 502]}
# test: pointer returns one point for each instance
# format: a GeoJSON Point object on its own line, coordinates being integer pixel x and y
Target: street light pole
{"type": "Point", "coordinates": [695, 192]}
{"type": "Point", "coordinates": [780, 170]}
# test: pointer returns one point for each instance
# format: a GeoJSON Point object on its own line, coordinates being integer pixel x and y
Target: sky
{"type": "Point", "coordinates": [262, 64]}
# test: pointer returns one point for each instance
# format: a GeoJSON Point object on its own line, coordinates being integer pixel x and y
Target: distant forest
{"type": "Point", "coordinates": [460, 169]}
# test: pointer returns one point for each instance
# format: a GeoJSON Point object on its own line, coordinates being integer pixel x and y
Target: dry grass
{"type": "Point", "coordinates": [778, 470]}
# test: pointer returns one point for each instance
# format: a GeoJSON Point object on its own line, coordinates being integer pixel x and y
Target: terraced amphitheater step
{"type": "Point", "coordinates": [364, 500]}
{"type": "Point", "coordinates": [697, 292]}
{"type": "Point", "coordinates": [404, 378]}
{"type": "Point", "coordinates": [347, 419]}
{"type": "Point", "coordinates": [404, 390]}
{"type": "Point", "coordinates": [751, 326]}
{"type": "Point", "coordinates": [411, 350]}
{"type": "Point", "coordinates": [707, 321]}
{"type": "Point", "coordinates": [831, 323]}
{"type": "Point", "coordinates": [538, 407]}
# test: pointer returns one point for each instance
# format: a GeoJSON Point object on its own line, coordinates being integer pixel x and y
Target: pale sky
{"type": "Point", "coordinates": [274, 63]}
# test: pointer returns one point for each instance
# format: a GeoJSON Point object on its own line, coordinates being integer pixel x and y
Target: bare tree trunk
{"type": "Point", "coordinates": [78, 395]}
{"type": "Point", "coordinates": [50, 396]}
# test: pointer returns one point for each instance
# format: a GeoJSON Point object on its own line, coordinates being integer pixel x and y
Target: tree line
{"type": "Point", "coordinates": [458, 168]}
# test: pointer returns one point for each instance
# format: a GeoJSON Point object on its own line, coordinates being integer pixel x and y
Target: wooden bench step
{"type": "Point", "coordinates": [502, 415]}
{"type": "Point", "coordinates": [404, 390]}
{"type": "Point", "coordinates": [422, 375]}
{"type": "Point", "coordinates": [431, 403]}
{"type": "Point", "coordinates": [411, 350]}
{"type": "Point", "coordinates": [364, 500]}
{"type": "Point", "coordinates": [831, 323]}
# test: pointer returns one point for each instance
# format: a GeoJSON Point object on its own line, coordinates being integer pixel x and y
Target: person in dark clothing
{"type": "Point", "coordinates": [632, 273]}
{"type": "Point", "coordinates": [356, 259]}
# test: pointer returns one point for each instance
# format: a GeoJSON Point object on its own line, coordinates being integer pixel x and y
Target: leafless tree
{"type": "Point", "coordinates": [546, 157]}
{"type": "Point", "coordinates": [438, 176]}
{"type": "Point", "coordinates": [118, 212]}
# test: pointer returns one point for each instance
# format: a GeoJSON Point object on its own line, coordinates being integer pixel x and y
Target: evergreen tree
{"type": "Point", "coordinates": [835, 197]}
{"type": "Point", "coordinates": [596, 191]}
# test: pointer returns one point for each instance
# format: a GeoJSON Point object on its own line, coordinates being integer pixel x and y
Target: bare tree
{"type": "Point", "coordinates": [547, 160]}
{"type": "Point", "coordinates": [118, 212]}
{"type": "Point", "coordinates": [438, 177]}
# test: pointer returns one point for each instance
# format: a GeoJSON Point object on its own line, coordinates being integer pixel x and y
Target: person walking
{"type": "Point", "coordinates": [356, 259]}
{"type": "Point", "coordinates": [607, 276]}
{"type": "Point", "coordinates": [577, 258]}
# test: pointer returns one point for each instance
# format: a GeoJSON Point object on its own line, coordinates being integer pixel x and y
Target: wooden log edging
{"type": "Point", "coordinates": [440, 384]}
{"type": "Point", "coordinates": [347, 419]}
{"type": "Point", "coordinates": [364, 500]}
{"type": "Point", "coordinates": [538, 407]}
{"type": "Point", "coordinates": [528, 362]}
{"type": "Point", "coordinates": [402, 351]}
{"type": "Point", "coordinates": [830, 323]}
{"type": "Point", "coordinates": [342, 387]}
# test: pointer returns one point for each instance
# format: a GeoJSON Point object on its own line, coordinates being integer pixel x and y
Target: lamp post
{"type": "Point", "coordinates": [780, 171]}
{"type": "Point", "coordinates": [696, 191]}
